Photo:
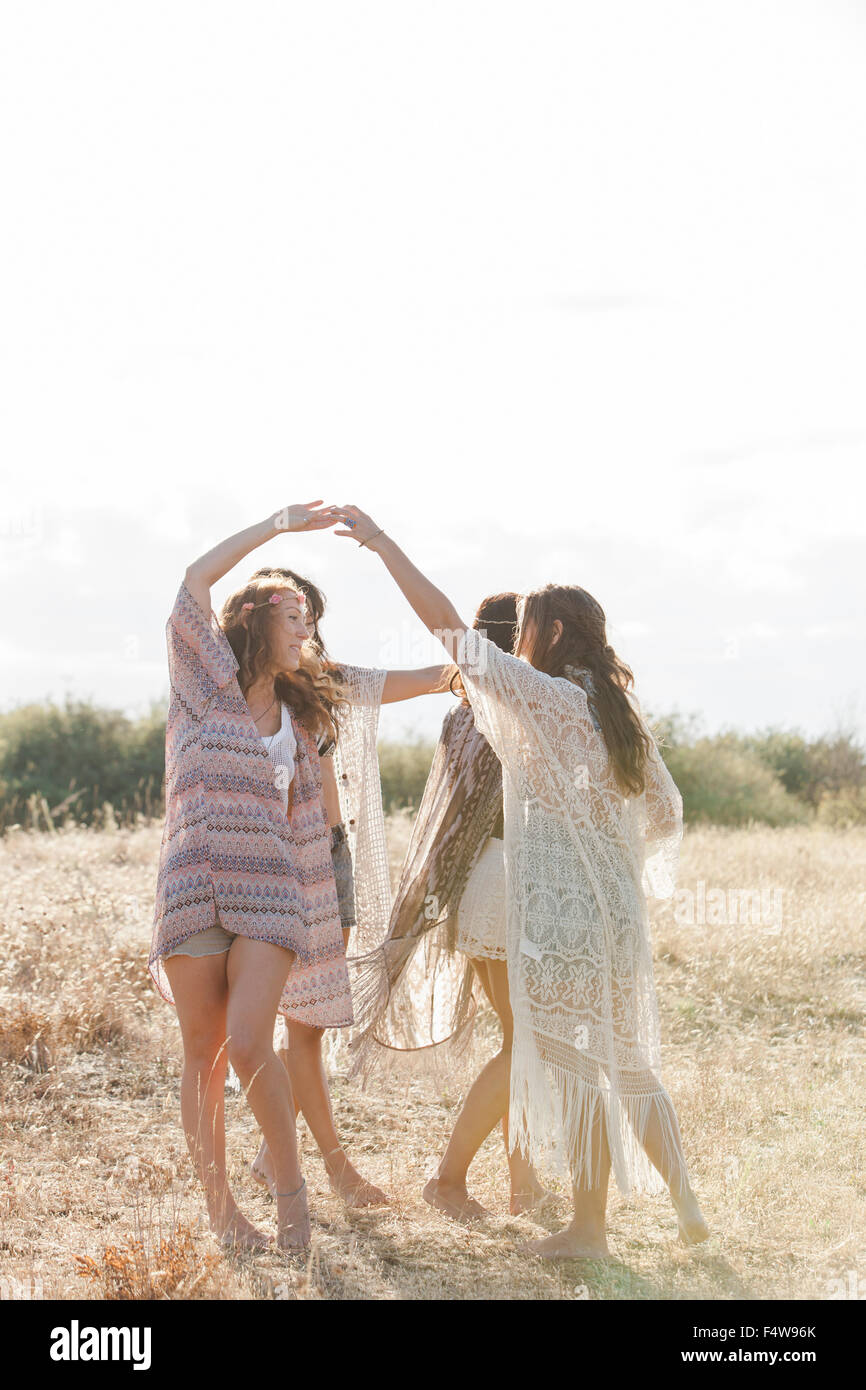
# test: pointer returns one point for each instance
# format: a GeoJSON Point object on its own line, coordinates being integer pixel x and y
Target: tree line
{"type": "Point", "coordinates": [79, 762]}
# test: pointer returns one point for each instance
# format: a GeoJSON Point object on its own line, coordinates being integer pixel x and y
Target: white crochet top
{"type": "Point", "coordinates": [281, 749]}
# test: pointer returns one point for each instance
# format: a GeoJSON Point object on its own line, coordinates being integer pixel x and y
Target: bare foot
{"type": "Point", "coordinates": [453, 1201]}
{"type": "Point", "coordinates": [293, 1220]}
{"type": "Point", "coordinates": [529, 1199]}
{"type": "Point", "coordinates": [692, 1226]}
{"type": "Point", "coordinates": [237, 1233]}
{"type": "Point", "coordinates": [348, 1183]}
{"type": "Point", "coordinates": [570, 1245]}
{"type": "Point", "coordinates": [262, 1173]}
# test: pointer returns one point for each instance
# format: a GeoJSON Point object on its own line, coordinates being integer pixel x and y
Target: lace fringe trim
{"type": "Point", "coordinates": [556, 1118]}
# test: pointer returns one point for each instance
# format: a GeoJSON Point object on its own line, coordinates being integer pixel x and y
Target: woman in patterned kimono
{"type": "Point", "coordinates": [451, 899]}
{"type": "Point", "coordinates": [592, 823]}
{"type": "Point", "coordinates": [246, 920]}
{"type": "Point", "coordinates": [353, 805]}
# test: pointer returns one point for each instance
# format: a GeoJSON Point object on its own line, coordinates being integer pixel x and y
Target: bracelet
{"type": "Point", "coordinates": [380, 532]}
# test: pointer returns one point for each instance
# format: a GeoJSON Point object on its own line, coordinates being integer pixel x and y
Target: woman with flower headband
{"type": "Point", "coordinates": [592, 823]}
{"type": "Point", "coordinates": [246, 920]}
{"type": "Point", "coordinates": [353, 805]}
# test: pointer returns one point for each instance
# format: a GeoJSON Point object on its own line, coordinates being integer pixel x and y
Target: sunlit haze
{"type": "Point", "coordinates": [569, 292]}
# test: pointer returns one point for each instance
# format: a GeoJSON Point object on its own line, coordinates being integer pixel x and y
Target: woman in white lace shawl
{"type": "Point", "coordinates": [446, 939]}
{"type": "Point", "coordinates": [353, 800]}
{"type": "Point", "coordinates": [592, 823]}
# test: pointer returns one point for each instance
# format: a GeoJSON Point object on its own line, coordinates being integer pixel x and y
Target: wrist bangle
{"type": "Point", "coordinates": [380, 532]}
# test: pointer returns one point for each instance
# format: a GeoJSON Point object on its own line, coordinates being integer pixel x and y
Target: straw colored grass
{"type": "Point", "coordinates": [762, 1028]}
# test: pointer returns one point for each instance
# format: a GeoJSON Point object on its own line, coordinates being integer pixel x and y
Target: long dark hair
{"type": "Point", "coordinates": [497, 619]}
{"type": "Point", "coordinates": [583, 644]}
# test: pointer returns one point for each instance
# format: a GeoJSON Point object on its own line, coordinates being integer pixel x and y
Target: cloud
{"type": "Point", "coordinates": [601, 303]}
{"type": "Point", "coordinates": [808, 441]}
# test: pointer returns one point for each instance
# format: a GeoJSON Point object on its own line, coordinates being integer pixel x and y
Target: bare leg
{"type": "Point", "coordinates": [262, 1167]}
{"type": "Point", "coordinates": [256, 974]}
{"type": "Point", "coordinates": [585, 1235]}
{"type": "Point", "coordinates": [484, 1107]}
{"type": "Point", "coordinates": [584, 1238]}
{"type": "Point", "coordinates": [309, 1082]}
{"type": "Point", "coordinates": [527, 1192]}
{"type": "Point", "coordinates": [200, 989]}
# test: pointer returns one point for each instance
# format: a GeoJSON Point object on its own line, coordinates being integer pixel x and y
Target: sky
{"type": "Point", "coordinates": [558, 291]}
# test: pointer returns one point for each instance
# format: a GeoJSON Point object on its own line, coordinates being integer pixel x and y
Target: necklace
{"type": "Point", "coordinates": [257, 717]}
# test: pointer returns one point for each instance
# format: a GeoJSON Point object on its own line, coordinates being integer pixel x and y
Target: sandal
{"type": "Point", "coordinates": [301, 1222]}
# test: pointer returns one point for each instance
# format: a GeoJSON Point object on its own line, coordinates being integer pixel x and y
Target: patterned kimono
{"type": "Point", "coordinates": [415, 991]}
{"type": "Point", "coordinates": [227, 846]}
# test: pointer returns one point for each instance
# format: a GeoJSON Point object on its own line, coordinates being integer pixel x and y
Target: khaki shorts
{"type": "Point", "coordinates": [342, 861]}
{"type": "Point", "coordinates": [213, 941]}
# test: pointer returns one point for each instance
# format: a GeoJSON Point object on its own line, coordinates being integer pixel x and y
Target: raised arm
{"type": "Point", "coordinates": [207, 569]}
{"type": "Point", "coordinates": [434, 608]}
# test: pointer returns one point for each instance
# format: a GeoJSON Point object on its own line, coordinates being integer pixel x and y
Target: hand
{"type": "Point", "coordinates": [306, 517]}
{"type": "Point", "coordinates": [359, 526]}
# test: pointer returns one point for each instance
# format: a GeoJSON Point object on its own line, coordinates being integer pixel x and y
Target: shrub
{"type": "Point", "coordinates": [69, 760]}
{"type": "Point", "coordinates": [812, 769]}
{"type": "Point", "coordinates": [786, 754]}
{"type": "Point", "coordinates": [723, 784]}
{"type": "Point", "coordinates": [404, 768]}
{"type": "Point", "coordinates": [838, 765]}
{"type": "Point", "coordinates": [842, 809]}
{"type": "Point", "coordinates": [96, 766]}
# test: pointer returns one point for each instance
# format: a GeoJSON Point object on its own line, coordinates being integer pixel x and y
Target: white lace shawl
{"type": "Point", "coordinates": [356, 766]}
{"type": "Point", "coordinates": [586, 1030]}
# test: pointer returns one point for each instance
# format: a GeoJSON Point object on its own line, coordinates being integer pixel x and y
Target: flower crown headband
{"type": "Point", "coordinates": [274, 598]}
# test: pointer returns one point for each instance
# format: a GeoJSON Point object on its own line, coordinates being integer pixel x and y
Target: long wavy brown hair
{"type": "Point", "coordinates": [311, 692]}
{"type": "Point", "coordinates": [583, 643]}
{"type": "Point", "coordinates": [312, 593]}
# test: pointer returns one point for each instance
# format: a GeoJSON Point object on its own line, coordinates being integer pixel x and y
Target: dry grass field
{"type": "Point", "coordinates": [762, 1029]}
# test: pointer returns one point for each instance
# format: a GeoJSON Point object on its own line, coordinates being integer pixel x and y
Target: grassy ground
{"type": "Point", "coordinates": [763, 1041]}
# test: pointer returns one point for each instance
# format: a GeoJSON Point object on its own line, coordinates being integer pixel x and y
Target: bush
{"type": "Point", "coordinates": [404, 768]}
{"type": "Point", "coordinates": [838, 765]}
{"type": "Point", "coordinates": [788, 755]}
{"type": "Point", "coordinates": [96, 766]}
{"type": "Point", "coordinates": [59, 761]}
{"type": "Point", "coordinates": [724, 784]}
{"type": "Point", "coordinates": [674, 730]}
{"type": "Point", "coordinates": [842, 809]}
{"type": "Point", "coordinates": [811, 770]}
